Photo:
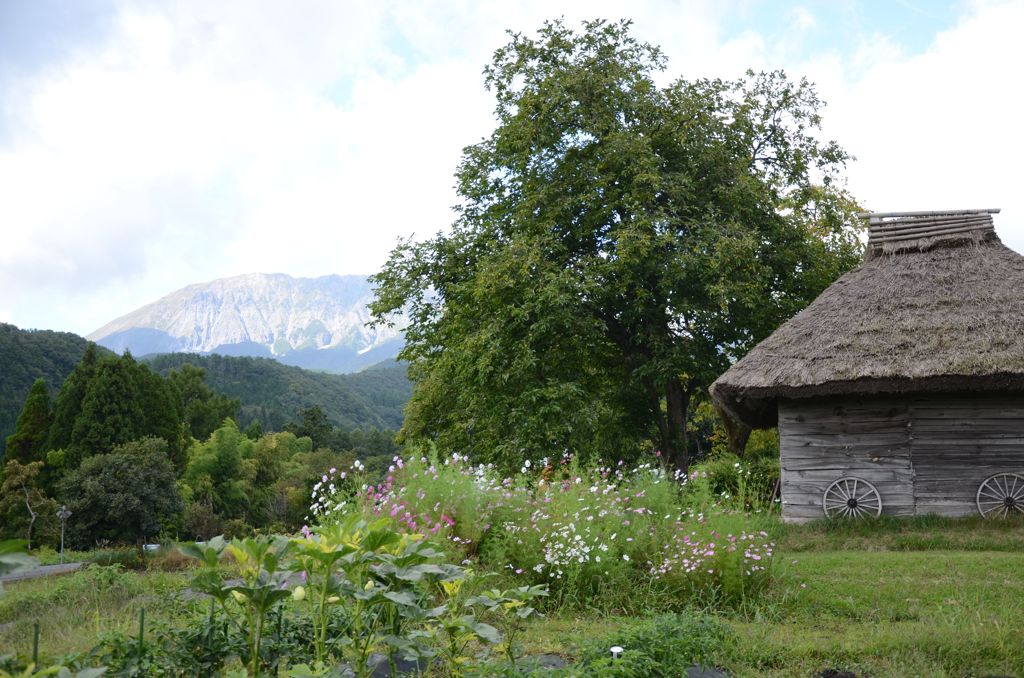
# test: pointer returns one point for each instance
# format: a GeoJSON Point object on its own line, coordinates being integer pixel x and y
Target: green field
{"type": "Point", "coordinates": [899, 598]}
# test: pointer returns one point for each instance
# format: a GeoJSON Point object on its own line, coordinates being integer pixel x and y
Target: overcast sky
{"type": "Point", "coordinates": [147, 145]}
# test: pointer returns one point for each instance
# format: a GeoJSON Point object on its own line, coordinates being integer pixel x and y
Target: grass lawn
{"type": "Point", "coordinates": [925, 597]}
{"type": "Point", "coordinates": [922, 597]}
{"type": "Point", "coordinates": [876, 613]}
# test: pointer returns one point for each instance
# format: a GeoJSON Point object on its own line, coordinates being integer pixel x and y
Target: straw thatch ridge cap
{"type": "Point", "coordinates": [894, 232]}
{"type": "Point", "coordinates": [941, 316]}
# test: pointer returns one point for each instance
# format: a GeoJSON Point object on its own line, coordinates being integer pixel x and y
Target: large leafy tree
{"type": "Point", "coordinates": [125, 495]}
{"type": "Point", "coordinates": [616, 246]}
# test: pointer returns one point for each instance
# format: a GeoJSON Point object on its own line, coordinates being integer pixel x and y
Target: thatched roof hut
{"type": "Point", "coordinates": [936, 308]}
{"type": "Point", "coordinates": [937, 305]}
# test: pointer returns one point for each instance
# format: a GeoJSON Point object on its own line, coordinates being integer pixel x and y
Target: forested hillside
{"type": "Point", "coordinates": [272, 393]}
{"type": "Point", "coordinates": [26, 355]}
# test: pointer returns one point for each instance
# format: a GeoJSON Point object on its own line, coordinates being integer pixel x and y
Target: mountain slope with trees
{"type": "Point", "coordinates": [272, 393]}
{"type": "Point", "coordinates": [28, 355]}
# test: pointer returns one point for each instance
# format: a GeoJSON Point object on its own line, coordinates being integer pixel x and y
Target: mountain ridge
{"type": "Point", "coordinates": [315, 323]}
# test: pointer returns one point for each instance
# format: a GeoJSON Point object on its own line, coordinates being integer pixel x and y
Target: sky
{"type": "Point", "coordinates": [146, 145]}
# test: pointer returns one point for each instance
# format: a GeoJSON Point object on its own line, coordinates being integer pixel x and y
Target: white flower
{"type": "Point", "coordinates": [625, 557]}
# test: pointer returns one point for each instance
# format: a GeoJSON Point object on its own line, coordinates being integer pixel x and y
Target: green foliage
{"type": "Point", "coordinates": [122, 401]}
{"type": "Point", "coordinates": [26, 511]}
{"type": "Point", "coordinates": [27, 443]}
{"type": "Point", "coordinates": [660, 647]}
{"type": "Point", "coordinates": [313, 425]}
{"type": "Point", "coordinates": [126, 494]}
{"type": "Point", "coordinates": [232, 477]}
{"type": "Point", "coordinates": [203, 409]}
{"type": "Point", "coordinates": [365, 587]}
{"type": "Point", "coordinates": [272, 393]}
{"type": "Point", "coordinates": [29, 355]}
{"type": "Point", "coordinates": [617, 246]}
{"type": "Point", "coordinates": [615, 539]}
{"type": "Point", "coordinates": [214, 471]}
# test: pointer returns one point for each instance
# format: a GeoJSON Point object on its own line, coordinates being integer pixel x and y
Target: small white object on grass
{"type": "Point", "coordinates": [616, 652]}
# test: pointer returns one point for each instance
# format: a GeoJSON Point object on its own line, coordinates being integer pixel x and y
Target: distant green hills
{"type": "Point", "coordinates": [26, 355]}
{"type": "Point", "coordinates": [266, 389]}
{"type": "Point", "coordinates": [273, 393]}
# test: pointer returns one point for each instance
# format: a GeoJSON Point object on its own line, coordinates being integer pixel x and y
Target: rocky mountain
{"type": "Point", "coordinates": [315, 323]}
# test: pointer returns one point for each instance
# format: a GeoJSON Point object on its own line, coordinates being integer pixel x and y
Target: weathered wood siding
{"type": "Point", "coordinates": [924, 454]}
{"type": "Point", "coordinates": [822, 440]}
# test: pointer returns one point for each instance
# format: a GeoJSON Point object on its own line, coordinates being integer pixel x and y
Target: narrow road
{"type": "Point", "coordinates": [41, 571]}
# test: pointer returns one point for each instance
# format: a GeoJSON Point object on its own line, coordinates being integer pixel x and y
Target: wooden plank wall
{"type": "Point", "coordinates": [824, 439]}
{"type": "Point", "coordinates": [959, 441]}
{"type": "Point", "coordinates": [924, 454]}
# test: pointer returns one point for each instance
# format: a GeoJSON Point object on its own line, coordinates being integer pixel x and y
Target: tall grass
{"type": "Point", "coordinates": [611, 538]}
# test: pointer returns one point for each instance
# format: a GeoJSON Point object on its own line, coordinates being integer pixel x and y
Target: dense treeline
{"type": "Point", "coordinates": [134, 454]}
{"type": "Point", "coordinates": [28, 355]}
{"type": "Point", "coordinates": [273, 393]}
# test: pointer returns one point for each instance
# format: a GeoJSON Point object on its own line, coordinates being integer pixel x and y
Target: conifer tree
{"type": "Point", "coordinates": [68, 404]}
{"type": "Point", "coordinates": [110, 414]}
{"type": "Point", "coordinates": [28, 442]}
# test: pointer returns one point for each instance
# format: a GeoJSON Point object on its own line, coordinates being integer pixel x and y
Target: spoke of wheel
{"type": "Point", "coordinates": [855, 481]}
{"type": "Point", "coordinates": [987, 512]}
{"type": "Point", "coordinates": [1001, 482]}
{"type": "Point", "coordinates": [1013, 490]}
{"type": "Point", "coordinates": [990, 492]}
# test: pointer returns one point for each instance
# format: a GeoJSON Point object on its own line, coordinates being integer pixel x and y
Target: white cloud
{"type": "Point", "coordinates": [939, 129]}
{"type": "Point", "coordinates": [210, 139]}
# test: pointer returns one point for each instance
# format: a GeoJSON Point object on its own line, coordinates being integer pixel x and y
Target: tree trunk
{"type": "Point", "coordinates": [736, 431]}
{"type": "Point", "coordinates": [140, 541]}
{"type": "Point", "coordinates": [32, 517]}
{"type": "Point", "coordinates": [677, 402]}
{"type": "Point", "coordinates": [654, 402]}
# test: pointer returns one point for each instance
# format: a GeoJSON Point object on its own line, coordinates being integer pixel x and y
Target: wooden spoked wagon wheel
{"type": "Point", "coordinates": [851, 498]}
{"type": "Point", "coordinates": [1001, 495]}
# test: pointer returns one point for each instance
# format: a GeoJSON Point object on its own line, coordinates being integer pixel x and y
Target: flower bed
{"type": "Point", "coordinates": [611, 537]}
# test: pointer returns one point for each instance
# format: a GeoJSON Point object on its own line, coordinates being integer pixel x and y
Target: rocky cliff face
{"type": "Point", "coordinates": [317, 323]}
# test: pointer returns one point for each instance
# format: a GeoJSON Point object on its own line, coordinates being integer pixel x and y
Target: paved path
{"type": "Point", "coordinates": [41, 571]}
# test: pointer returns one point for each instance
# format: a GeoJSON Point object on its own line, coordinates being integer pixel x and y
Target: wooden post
{"type": "Point", "coordinates": [142, 630]}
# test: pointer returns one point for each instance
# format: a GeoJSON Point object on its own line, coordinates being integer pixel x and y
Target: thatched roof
{"type": "Point", "coordinates": [937, 305]}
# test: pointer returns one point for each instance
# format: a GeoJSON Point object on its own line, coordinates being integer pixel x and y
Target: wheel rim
{"type": "Point", "coordinates": [854, 498]}
{"type": "Point", "coordinates": [1001, 495]}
